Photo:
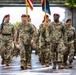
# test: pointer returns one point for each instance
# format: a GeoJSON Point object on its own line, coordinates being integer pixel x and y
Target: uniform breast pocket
{"type": "Point", "coordinates": [7, 30]}
{"type": "Point", "coordinates": [6, 38]}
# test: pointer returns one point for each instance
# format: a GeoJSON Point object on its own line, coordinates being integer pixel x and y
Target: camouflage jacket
{"type": "Point", "coordinates": [69, 34]}
{"type": "Point", "coordinates": [43, 34]}
{"type": "Point", "coordinates": [8, 31]}
{"type": "Point", "coordinates": [25, 33]}
{"type": "Point", "coordinates": [35, 32]}
{"type": "Point", "coordinates": [55, 31]}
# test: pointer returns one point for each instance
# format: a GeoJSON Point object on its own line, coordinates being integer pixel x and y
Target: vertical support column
{"type": "Point", "coordinates": [71, 13]}
{"type": "Point", "coordinates": [68, 13]}
{"type": "Point", "coordinates": [74, 18]}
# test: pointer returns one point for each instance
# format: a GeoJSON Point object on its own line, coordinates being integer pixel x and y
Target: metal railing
{"type": "Point", "coordinates": [35, 1]}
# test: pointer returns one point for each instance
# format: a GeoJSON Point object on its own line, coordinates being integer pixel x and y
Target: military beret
{"type": "Point", "coordinates": [6, 16]}
{"type": "Point", "coordinates": [68, 20]}
{"type": "Point", "coordinates": [23, 15]}
{"type": "Point", "coordinates": [56, 15]}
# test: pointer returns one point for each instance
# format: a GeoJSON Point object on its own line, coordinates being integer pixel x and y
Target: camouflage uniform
{"type": "Point", "coordinates": [7, 39]}
{"type": "Point", "coordinates": [24, 33]}
{"type": "Point", "coordinates": [35, 46]}
{"type": "Point", "coordinates": [16, 50]}
{"type": "Point", "coordinates": [69, 40]}
{"type": "Point", "coordinates": [56, 43]}
{"type": "Point", "coordinates": [0, 44]}
{"type": "Point", "coordinates": [44, 45]}
{"type": "Point", "coordinates": [34, 36]}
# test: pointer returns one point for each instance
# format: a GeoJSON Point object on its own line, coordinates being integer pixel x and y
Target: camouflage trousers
{"type": "Point", "coordinates": [16, 51]}
{"type": "Point", "coordinates": [34, 47]}
{"type": "Point", "coordinates": [45, 55]}
{"type": "Point", "coordinates": [25, 55]}
{"type": "Point", "coordinates": [57, 51]}
{"type": "Point", "coordinates": [0, 47]}
{"type": "Point", "coordinates": [69, 55]}
{"type": "Point", "coordinates": [6, 51]}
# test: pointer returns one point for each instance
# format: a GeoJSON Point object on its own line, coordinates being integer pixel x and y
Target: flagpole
{"type": "Point", "coordinates": [26, 8]}
{"type": "Point", "coordinates": [45, 17]}
{"type": "Point", "coordinates": [45, 12]}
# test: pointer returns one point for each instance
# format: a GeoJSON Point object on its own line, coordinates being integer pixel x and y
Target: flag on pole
{"type": "Point", "coordinates": [30, 4]}
{"type": "Point", "coordinates": [45, 6]}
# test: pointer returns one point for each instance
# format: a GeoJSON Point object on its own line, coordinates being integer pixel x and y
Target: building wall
{"type": "Point", "coordinates": [74, 18]}
{"type": "Point", "coordinates": [71, 14]}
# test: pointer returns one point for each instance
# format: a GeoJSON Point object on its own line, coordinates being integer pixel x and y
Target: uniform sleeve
{"type": "Point", "coordinates": [65, 35]}
{"type": "Point", "coordinates": [38, 33]}
{"type": "Point", "coordinates": [50, 27]}
{"type": "Point", "coordinates": [17, 33]}
{"type": "Point", "coordinates": [63, 29]}
{"type": "Point", "coordinates": [13, 32]}
{"type": "Point", "coordinates": [35, 35]}
{"type": "Point", "coordinates": [32, 30]}
{"type": "Point", "coordinates": [40, 28]}
{"type": "Point", "coordinates": [75, 39]}
{"type": "Point", "coordinates": [47, 34]}
{"type": "Point", "coordinates": [33, 26]}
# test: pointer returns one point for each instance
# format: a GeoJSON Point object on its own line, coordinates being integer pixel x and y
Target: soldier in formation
{"type": "Point", "coordinates": [44, 46]}
{"type": "Point", "coordinates": [34, 37]}
{"type": "Point", "coordinates": [7, 32]}
{"type": "Point", "coordinates": [24, 36]}
{"type": "Point", "coordinates": [56, 41]}
{"type": "Point", "coordinates": [70, 42]}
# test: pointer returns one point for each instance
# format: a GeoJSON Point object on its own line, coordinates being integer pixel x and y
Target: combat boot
{"type": "Point", "coordinates": [42, 63]}
{"type": "Point", "coordinates": [64, 64]}
{"type": "Point", "coordinates": [70, 65]}
{"type": "Point", "coordinates": [22, 68]}
{"type": "Point", "coordinates": [54, 65]}
{"type": "Point", "coordinates": [23, 65]}
{"type": "Point", "coordinates": [29, 65]}
{"type": "Point", "coordinates": [39, 59]}
{"type": "Point", "coordinates": [60, 66]}
{"type": "Point", "coordinates": [36, 52]}
{"type": "Point", "coordinates": [47, 64]}
{"type": "Point", "coordinates": [50, 63]}
{"type": "Point", "coordinates": [2, 62]}
{"type": "Point", "coordinates": [7, 62]}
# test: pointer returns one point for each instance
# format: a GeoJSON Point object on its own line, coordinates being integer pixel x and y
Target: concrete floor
{"type": "Point", "coordinates": [37, 68]}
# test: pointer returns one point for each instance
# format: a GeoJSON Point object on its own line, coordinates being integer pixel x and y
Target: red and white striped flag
{"type": "Point", "coordinates": [30, 3]}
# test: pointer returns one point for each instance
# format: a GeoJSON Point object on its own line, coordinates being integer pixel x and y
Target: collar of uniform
{"type": "Point", "coordinates": [68, 26]}
{"type": "Point", "coordinates": [71, 27]}
{"type": "Point", "coordinates": [7, 23]}
{"type": "Point", "coordinates": [23, 23]}
{"type": "Point", "coordinates": [44, 23]}
{"type": "Point", "coordinates": [57, 23]}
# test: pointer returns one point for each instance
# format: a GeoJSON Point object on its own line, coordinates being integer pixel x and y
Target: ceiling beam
{"type": "Point", "coordinates": [35, 5]}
